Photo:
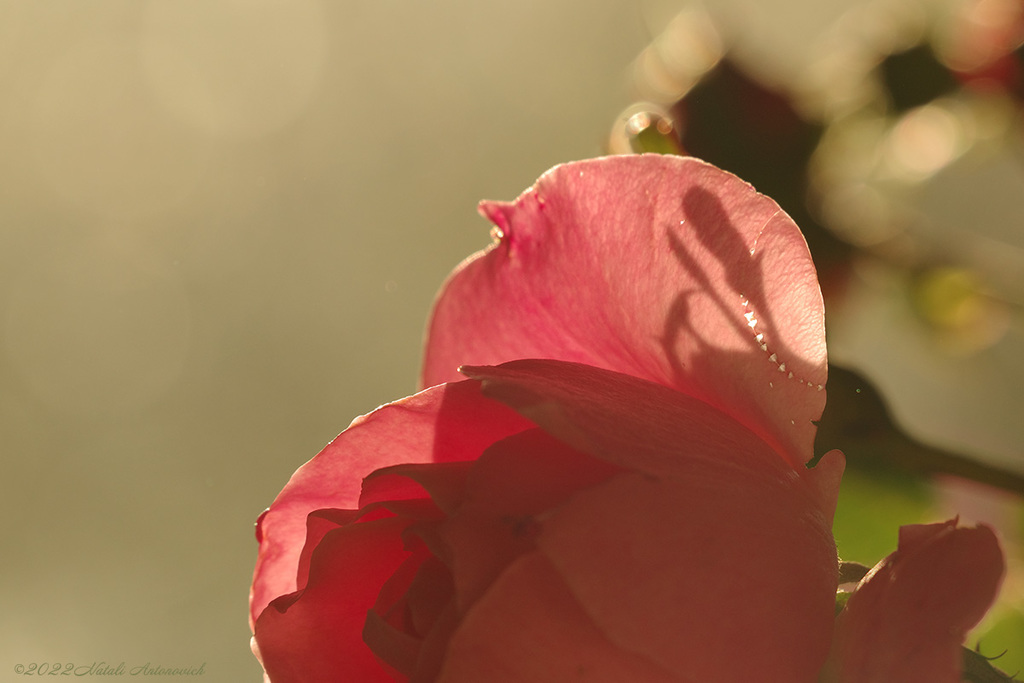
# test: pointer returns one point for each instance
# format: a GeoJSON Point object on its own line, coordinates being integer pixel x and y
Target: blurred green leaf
{"type": "Point", "coordinates": [1004, 640]}
{"type": "Point", "coordinates": [872, 507]}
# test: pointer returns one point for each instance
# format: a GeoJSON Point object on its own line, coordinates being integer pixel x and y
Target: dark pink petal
{"type": "Point", "coordinates": [443, 424]}
{"type": "Point", "coordinates": [528, 628]}
{"type": "Point", "coordinates": [318, 524]}
{"type": "Point", "coordinates": [511, 487]}
{"type": "Point", "coordinates": [660, 267]}
{"type": "Point", "coordinates": [388, 631]}
{"type": "Point", "coordinates": [316, 634]}
{"type": "Point", "coordinates": [908, 617]}
{"type": "Point", "coordinates": [429, 595]}
{"type": "Point", "coordinates": [441, 482]}
{"type": "Point", "coordinates": [408, 609]}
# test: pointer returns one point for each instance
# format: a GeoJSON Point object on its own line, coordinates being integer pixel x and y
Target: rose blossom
{"type": "Point", "coordinates": [618, 491]}
{"type": "Point", "coordinates": [909, 615]}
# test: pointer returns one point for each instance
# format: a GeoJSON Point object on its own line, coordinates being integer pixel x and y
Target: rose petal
{"type": "Point", "coordinates": [722, 531]}
{"type": "Point", "coordinates": [909, 616]}
{"type": "Point", "coordinates": [529, 629]}
{"type": "Point", "coordinates": [410, 606]}
{"type": "Point", "coordinates": [661, 267]}
{"type": "Point", "coordinates": [316, 635]}
{"type": "Point", "coordinates": [442, 482]}
{"type": "Point", "coordinates": [712, 580]}
{"type": "Point", "coordinates": [625, 420]}
{"type": "Point", "coordinates": [318, 524]}
{"type": "Point", "coordinates": [444, 424]}
{"type": "Point", "coordinates": [513, 483]}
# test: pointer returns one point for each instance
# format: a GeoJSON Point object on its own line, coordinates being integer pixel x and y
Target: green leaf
{"type": "Point", "coordinates": [872, 507]}
{"type": "Point", "coordinates": [1004, 632]}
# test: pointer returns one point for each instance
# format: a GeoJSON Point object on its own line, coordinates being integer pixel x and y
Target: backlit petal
{"type": "Point", "coordinates": [316, 635]}
{"type": "Point", "coordinates": [443, 424]}
{"type": "Point", "coordinates": [660, 267]}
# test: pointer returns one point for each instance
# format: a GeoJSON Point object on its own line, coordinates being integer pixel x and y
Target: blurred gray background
{"type": "Point", "coordinates": [222, 224]}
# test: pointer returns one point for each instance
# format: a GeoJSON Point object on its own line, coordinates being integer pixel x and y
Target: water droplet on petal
{"type": "Point", "coordinates": [497, 234]}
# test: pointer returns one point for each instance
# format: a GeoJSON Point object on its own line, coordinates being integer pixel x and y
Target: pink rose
{"type": "Point", "coordinates": [908, 617]}
{"type": "Point", "coordinates": [618, 491]}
